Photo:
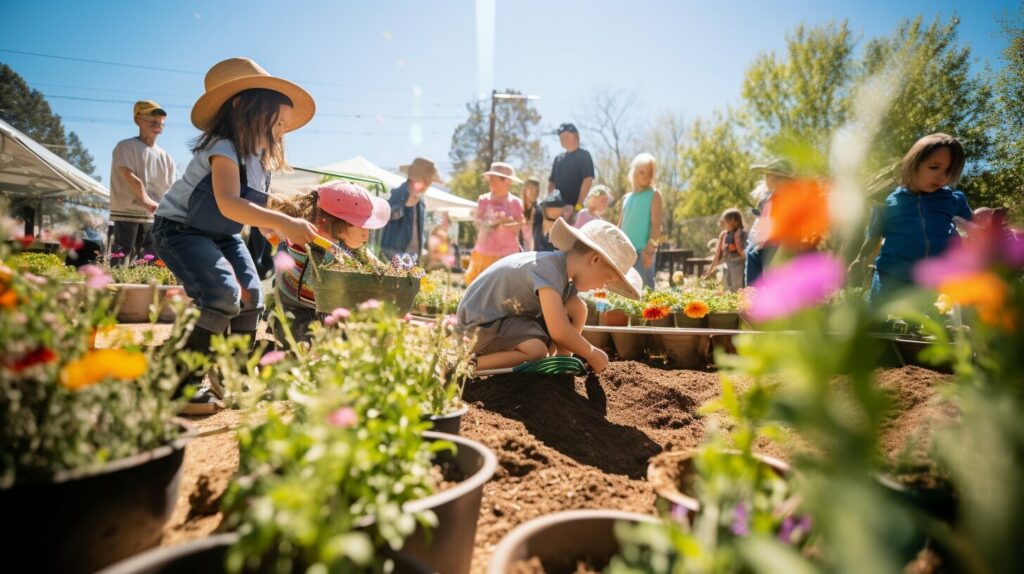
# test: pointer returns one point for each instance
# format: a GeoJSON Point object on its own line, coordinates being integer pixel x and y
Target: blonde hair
{"type": "Point", "coordinates": [597, 192]}
{"type": "Point", "coordinates": [247, 119]}
{"type": "Point", "coordinates": [924, 148]}
{"type": "Point", "coordinates": [641, 171]}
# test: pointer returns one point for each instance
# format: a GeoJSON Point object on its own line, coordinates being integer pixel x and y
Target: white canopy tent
{"type": "Point", "coordinates": [301, 180]}
{"type": "Point", "coordinates": [31, 176]}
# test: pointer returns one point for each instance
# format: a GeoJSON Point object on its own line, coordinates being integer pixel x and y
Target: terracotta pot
{"type": "Point", "coordinates": [449, 423]}
{"type": "Point", "coordinates": [655, 346]}
{"type": "Point", "coordinates": [448, 547]}
{"type": "Point", "coordinates": [209, 555]}
{"type": "Point", "coordinates": [629, 346]}
{"type": "Point", "coordinates": [82, 521]}
{"type": "Point", "coordinates": [560, 539]}
{"type": "Point", "coordinates": [614, 318]}
{"type": "Point", "coordinates": [134, 301]}
{"type": "Point", "coordinates": [672, 475]}
{"type": "Point", "coordinates": [688, 351]}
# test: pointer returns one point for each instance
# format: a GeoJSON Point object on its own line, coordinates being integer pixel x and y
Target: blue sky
{"type": "Point", "coordinates": [407, 69]}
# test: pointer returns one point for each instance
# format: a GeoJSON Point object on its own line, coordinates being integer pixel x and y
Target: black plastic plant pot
{"type": "Point", "coordinates": [208, 555]}
{"type": "Point", "coordinates": [448, 547]}
{"type": "Point", "coordinates": [347, 289]}
{"type": "Point", "coordinates": [561, 539]}
{"type": "Point", "coordinates": [81, 521]}
{"type": "Point", "coordinates": [448, 423]}
{"type": "Point", "coordinates": [723, 320]}
{"type": "Point", "coordinates": [940, 503]}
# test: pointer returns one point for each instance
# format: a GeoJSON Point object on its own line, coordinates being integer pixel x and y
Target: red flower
{"type": "Point", "coordinates": [37, 357]}
{"type": "Point", "coordinates": [655, 313]}
{"type": "Point", "coordinates": [26, 241]}
{"type": "Point", "coordinates": [70, 242]}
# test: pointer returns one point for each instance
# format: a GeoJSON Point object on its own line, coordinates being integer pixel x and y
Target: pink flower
{"type": "Point", "coordinates": [95, 278]}
{"type": "Point", "coordinates": [272, 357]}
{"type": "Point", "coordinates": [801, 283]}
{"type": "Point", "coordinates": [369, 304]}
{"type": "Point", "coordinates": [330, 320]}
{"type": "Point", "coordinates": [451, 321]}
{"type": "Point", "coordinates": [35, 279]}
{"type": "Point", "coordinates": [283, 262]}
{"type": "Point", "coordinates": [407, 317]}
{"type": "Point", "coordinates": [148, 257]}
{"type": "Point", "coordinates": [340, 314]}
{"type": "Point", "coordinates": [345, 417]}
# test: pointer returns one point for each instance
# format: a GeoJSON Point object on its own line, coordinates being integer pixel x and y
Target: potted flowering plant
{"type": "Point", "coordinates": [82, 428]}
{"type": "Point", "coordinates": [345, 282]}
{"type": "Point", "coordinates": [437, 296]}
{"type": "Point", "coordinates": [724, 308]}
{"type": "Point", "coordinates": [143, 286]}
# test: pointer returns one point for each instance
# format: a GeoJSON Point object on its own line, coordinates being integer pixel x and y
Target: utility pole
{"type": "Point", "coordinates": [495, 96]}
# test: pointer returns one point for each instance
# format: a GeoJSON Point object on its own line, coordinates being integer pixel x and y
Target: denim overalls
{"type": "Point", "coordinates": [206, 253]}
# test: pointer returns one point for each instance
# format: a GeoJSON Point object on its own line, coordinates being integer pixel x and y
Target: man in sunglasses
{"type": "Point", "coordinates": [140, 175]}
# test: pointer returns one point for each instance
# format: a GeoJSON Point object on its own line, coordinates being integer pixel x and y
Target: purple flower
{"type": "Point", "coordinates": [680, 514]}
{"type": "Point", "coordinates": [803, 282]}
{"type": "Point", "coordinates": [369, 304]}
{"type": "Point", "coordinates": [272, 357]}
{"type": "Point", "coordinates": [741, 520]}
{"type": "Point", "coordinates": [95, 278]}
{"type": "Point", "coordinates": [794, 526]}
{"type": "Point", "coordinates": [148, 257]}
{"type": "Point", "coordinates": [283, 262]}
{"type": "Point", "coordinates": [345, 417]}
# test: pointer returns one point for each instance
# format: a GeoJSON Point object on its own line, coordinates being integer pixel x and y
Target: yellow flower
{"type": "Point", "coordinates": [678, 277]}
{"type": "Point", "coordinates": [696, 309]}
{"type": "Point", "coordinates": [100, 365]}
{"type": "Point", "coordinates": [984, 291]}
{"type": "Point", "coordinates": [944, 304]}
{"type": "Point", "coordinates": [426, 285]}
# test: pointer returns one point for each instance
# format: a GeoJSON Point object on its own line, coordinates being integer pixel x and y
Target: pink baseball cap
{"type": "Point", "coordinates": [353, 204]}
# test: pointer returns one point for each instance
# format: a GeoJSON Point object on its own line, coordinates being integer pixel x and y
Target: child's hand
{"type": "Point", "coordinates": [597, 358]}
{"type": "Point", "coordinates": [296, 230]}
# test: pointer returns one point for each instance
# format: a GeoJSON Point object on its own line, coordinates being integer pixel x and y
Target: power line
{"type": "Point", "coordinates": [124, 122]}
{"type": "Point", "coordinates": [190, 72]}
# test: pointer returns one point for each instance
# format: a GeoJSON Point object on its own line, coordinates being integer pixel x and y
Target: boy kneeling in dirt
{"type": "Point", "coordinates": [525, 306]}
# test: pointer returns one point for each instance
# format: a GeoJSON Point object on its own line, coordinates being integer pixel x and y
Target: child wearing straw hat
{"type": "Point", "coordinates": [526, 306]}
{"type": "Point", "coordinates": [243, 115]}
{"type": "Point", "coordinates": [342, 212]}
{"type": "Point", "coordinates": [499, 216]}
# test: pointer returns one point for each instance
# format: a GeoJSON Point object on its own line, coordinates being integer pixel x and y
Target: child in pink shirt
{"type": "Point", "coordinates": [499, 217]}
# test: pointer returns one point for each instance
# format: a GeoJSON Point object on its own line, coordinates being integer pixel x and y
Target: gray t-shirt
{"type": "Point", "coordinates": [509, 287]}
{"type": "Point", "coordinates": [151, 164]}
{"type": "Point", "coordinates": [174, 205]}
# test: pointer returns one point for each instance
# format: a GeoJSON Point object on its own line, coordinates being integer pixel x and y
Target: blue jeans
{"type": "Point", "coordinates": [758, 257]}
{"type": "Point", "coordinates": [216, 271]}
{"type": "Point", "coordinates": [646, 273]}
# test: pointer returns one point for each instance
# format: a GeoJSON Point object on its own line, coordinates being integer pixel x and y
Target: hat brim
{"type": "Point", "coordinates": [206, 107]}
{"type": "Point", "coordinates": [504, 175]}
{"type": "Point", "coordinates": [766, 169]}
{"type": "Point", "coordinates": [380, 214]}
{"type": "Point", "coordinates": [436, 178]}
{"type": "Point", "coordinates": [564, 236]}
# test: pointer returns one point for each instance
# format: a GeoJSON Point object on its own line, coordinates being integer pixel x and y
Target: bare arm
{"type": "Point", "coordinates": [718, 255]}
{"type": "Point", "coordinates": [226, 187]}
{"type": "Point", "coordinates": [562, 332]}
{"type": "Point", "coordinates": [856, 269]}
{"type": "Point", "coordinates": [651, 248]}
{"type": "Point", "coordinates": [138, 188]}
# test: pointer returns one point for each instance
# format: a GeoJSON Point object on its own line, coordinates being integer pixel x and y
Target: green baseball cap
{"type": "Point", "coordinates": [778, 166]}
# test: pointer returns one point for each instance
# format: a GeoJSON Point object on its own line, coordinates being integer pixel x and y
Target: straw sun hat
{"type": "Point", "coordinates": [611, 244]}
{"type": "Point", "coordinates": [229, 77]}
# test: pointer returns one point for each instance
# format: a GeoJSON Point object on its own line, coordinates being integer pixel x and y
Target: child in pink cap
{"type": "Point", "coordinates": [342, 212]}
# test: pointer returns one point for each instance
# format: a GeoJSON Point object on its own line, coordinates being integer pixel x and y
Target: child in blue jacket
{"type": "Point", "coordinates": [916, 220]}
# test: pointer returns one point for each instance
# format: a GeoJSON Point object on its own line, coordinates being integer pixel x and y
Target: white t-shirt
{"type": "Point", "coordinates": [174, 205]}
{"type": "Point", "coordinates": [152, 165]}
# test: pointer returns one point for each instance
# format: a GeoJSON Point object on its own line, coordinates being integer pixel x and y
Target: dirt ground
{"type": "Point", "coordinates": [562, 442]}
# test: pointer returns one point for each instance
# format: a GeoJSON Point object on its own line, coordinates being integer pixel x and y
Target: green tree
{"type": "Point", "coordinates": [516, 141]}
{"type": "Point", "coordinates": [715, 168]}
{"type": "Point", "coordinates": [28, 112]}
{"type": "Point", "coordinates": [666, 139]}
{"type": "Point", "coordinates": [794, 102]}
{"type": "Point", "coordinates": [936, 91]}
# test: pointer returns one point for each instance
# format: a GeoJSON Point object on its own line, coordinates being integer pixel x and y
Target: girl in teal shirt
{"type": "Point", "coordinates": [641, 215]}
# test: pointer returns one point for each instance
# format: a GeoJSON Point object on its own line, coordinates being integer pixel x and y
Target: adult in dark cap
{"type": "Point", "coordinates": [572, 173]}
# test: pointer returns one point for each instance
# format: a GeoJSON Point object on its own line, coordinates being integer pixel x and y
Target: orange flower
{"type": "Point", "coordinates": [159, 263]}
{"type": "Point", "coordinates": [798, 214]}
{"type": "Point", "coordinates": [655, 313]}
{"type": "Point", "coordinates": [100, 365]}
{"type": "Point", "coordinates": [600, 294]}
{"type": "Point", "coordinates": [984, 291]}
{"type": "Point", "coordinates": [696, 309]}
{"type": "Point", "coordinates": [8, 298]}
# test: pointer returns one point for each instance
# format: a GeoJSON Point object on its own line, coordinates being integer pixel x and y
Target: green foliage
{"type": "Point", "coordinates": [43, 264]}
{"type": "Point", "coordinates": [140, 272]}
{"type": "Point", "coordinates": [715, 168]}
{"type": "Point", "coordinates": [28, 112]}
{"type": "Point", "coordinates": [65, 405]}
{"type": "Point", "coordinates": [437, 294]}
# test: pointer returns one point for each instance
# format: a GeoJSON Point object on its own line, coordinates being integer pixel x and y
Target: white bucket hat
{"type": "Point", "coordinates": [611, 244]}
{"type": "Point", "coordinates": [502, 169]}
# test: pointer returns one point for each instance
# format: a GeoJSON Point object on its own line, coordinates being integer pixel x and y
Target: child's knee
{"type": "Point", "coordinates": [225, 299]}
{"type": "Point", "coordinates": [534, 349]}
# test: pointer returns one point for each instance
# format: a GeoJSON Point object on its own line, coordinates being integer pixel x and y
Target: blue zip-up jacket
{"type": "Point", "coordinates": [398, 232]}
{"type": "Point", "coordinates": [915, 226]}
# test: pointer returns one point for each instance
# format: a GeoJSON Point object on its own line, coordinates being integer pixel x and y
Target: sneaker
{"type": "Point", "coordinates": [204, 402]}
